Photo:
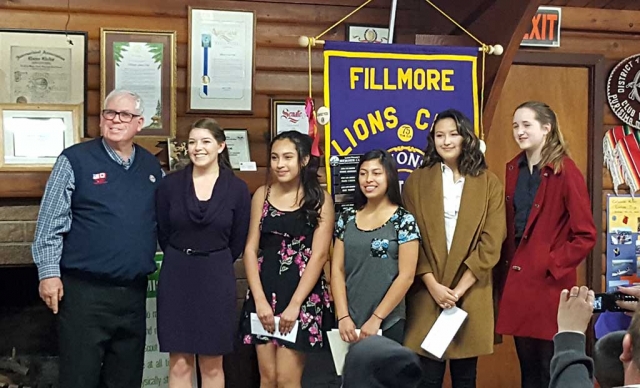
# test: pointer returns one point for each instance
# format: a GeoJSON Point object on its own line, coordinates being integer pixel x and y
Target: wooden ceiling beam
{"type": "Point", "coordinates": [504, 22]}
{"type": "Point", "coordinates": [433, 23]}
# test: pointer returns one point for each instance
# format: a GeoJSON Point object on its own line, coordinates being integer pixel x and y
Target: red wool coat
{"type": "Point", "coordinates": [558, 236]}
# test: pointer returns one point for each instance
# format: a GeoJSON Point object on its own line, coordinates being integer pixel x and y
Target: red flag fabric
{"type": "Point", "coordinates": [313, 128]}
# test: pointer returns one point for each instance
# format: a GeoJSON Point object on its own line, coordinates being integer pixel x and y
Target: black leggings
{"type": "Point", "coordinates": [395, 332]}
{"type": "Point", "coordinates": [535, 361]}
{"type": "Point", "coordinates": [463, 372]}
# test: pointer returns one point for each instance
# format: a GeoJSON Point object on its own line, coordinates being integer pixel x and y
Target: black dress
{"type": "Point", "coordinates": [197, 294]}
{"type": "Point", "coordinates": [285, 249]}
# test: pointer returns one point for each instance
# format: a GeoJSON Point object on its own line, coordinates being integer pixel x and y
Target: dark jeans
{"type": "Point", "coordinates": [463, 372]}
{"type": "Point", "coordinates": [102, 330]}
{"type": "Point", "coordinates": [535, 361]}
{"type": "Point", "coordinates": [395, 332]}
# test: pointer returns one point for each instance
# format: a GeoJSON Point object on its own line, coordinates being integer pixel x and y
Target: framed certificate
{"type": "Point", "coordinates": [44, 67]}
{"type": "Point", "coordinates": [221, 61]}
{"type": "Point", "coordinates": [238, 146]}
{"type": "Point", "coordinates": [33, 136]}
{"type": "Point", "coordinates": [367, 34]}
{"type": "Point", "coordinates": [143, 62]}
{"type": "Point", "coordinates": [288, 115]}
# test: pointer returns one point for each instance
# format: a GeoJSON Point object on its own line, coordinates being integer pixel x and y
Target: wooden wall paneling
{"type": "Point", "coordinates": [438, 24]}
{"type": "Point", "coordinates": [163, 8]}
{"type": "Point", "coordinates": [613, 34]}
{"type": "Point", "coordinates": [505, 22]}
{"type": "Point", "coordinates": [623, 4]}
{"type": "Point", "coordinates": [281, 65]}
{"type": "Point", "coordinates": [98, 14]}
{"type": "Point", "coordinates": [563, 3]}
{"type": "Point", "coordinates": [268, 57]}
{"type": "Point", "coordinates": [22, 184]}
{"type": "Point", "coordinates": [265, 82]}
{"type": "Point", "coordinates": [593, 19]}
{"type": "Point", "coordinates": [610, 44]}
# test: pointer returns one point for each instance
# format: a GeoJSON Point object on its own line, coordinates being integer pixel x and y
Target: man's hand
{"type": "Point", "coordinates": [51, 292]}
{"type": "Point", "coordinates": [575, 310]}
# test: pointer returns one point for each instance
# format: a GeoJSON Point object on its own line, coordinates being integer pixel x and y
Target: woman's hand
{"type": "Point", "coordinates": [347, 330]}
{"type": "Point", "coordinates": [444, 296]}
{"type": "Point", "coordinates": [370, 327]}
{"type": "Point", "coordinates": [459, 292]}
{"type": "Point", "coordinates": [265, 315]}
{"type": "Point", "coordinates": [288, 318]}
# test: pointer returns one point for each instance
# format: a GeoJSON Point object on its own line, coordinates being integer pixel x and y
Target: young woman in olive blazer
{"type": "Point", "coordinates": [459, 205]}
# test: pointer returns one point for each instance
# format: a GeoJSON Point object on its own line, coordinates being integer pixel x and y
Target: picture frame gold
{"type": "Point", "coordinates": [30, 138]}
{"type": "Point", "coordinates": [144, 62]}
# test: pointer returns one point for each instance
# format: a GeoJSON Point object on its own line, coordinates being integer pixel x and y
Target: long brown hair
{"type": "Point", "coordinates": [218, 134]}
{"type": "Point", "coordinates": [313, 199]}
{"type": "Point", "coordinates": [554, 149]}
{"type": "Point", "coordinates": [471, 160]}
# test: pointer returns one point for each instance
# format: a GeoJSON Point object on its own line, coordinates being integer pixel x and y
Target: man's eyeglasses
{"type": "Point", "coordinates": [125, 117]}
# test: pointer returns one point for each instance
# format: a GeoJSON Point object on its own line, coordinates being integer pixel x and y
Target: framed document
{"type": "Point", "coordinates": [288, 115]}
{"type": "Point", "coordinates": [144, 62]}
{"type": "Point", "coordinates": [33, 135]}
{"type": "Point", "coordinates": [367, 34]}
{"type": "Point", "coordinates": [238, 145]}
{"type": "Point", "coordinates": [44, 67]}
{"type": "Point", "coordinates": [221, 61]}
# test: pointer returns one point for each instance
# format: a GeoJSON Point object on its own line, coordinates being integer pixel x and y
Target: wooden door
{"type": "Point", "coordinates": [566, 90]}
{"type": "Point", "coordinates": [569, 91]}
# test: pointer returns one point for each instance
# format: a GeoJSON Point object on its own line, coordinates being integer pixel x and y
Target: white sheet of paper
{"type": "Point", "coordinates": [37, 138]}
{"type": "Point", "coordinates": [339, 348]}
{"type": "Point", "coordinates": [248, 166]}
{"type": "Point", "coordinates": [257, 329]}
{"type": "Point", "coordinates": [443, 331]}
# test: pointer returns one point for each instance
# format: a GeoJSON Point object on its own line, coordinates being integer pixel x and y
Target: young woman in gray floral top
{"type": "Point", "coordinates": [375, 254]}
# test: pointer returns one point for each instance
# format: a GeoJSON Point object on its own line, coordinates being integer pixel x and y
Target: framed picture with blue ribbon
{"type": "Point", "coordinates": [221, 61]}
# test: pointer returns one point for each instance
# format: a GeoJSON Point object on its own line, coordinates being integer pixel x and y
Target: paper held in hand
{"type": "Point", "coordinates": [257, 329]}
{"type": "Point", "coordinates": [441, 334]}
{"type": "Point", "coordinates": [339, 348]}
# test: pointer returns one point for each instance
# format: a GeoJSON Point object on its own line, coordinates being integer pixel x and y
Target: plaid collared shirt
{"type": "Point", "coordinates": [54, 218]}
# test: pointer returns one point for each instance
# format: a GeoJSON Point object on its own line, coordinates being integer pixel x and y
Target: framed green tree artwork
{"type": "Point", "coordinates": [144, 62]}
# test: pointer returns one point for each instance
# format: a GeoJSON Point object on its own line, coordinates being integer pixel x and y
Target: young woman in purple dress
{"type": "Point", "coordinates": [289, 237]}
{"type": "Point", "coordinates": [203, 220]}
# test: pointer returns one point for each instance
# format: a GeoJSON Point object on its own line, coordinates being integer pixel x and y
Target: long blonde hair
{"type": "Point", "coordinates": [554, 149]}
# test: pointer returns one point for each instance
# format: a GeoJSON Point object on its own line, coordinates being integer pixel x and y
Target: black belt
{"type": "Point", "coordinates": [195, 252]}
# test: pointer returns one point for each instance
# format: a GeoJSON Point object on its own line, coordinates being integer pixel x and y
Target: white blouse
{"type": "Point", "coordinates": [452, 194]}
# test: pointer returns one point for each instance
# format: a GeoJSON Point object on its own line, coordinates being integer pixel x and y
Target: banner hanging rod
{"type": "Point", "coordinates": [306, 41]}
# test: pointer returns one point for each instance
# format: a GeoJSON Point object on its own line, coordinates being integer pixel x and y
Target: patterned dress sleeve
{"type": "Point", "coordinates": [406, 226]}
{"type": "Point", "coordinates": [341, 224]}
{"type": "Point", "coordinates": [342, 221]}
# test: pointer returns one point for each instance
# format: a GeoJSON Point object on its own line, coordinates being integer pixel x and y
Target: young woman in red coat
{"type": "Point", "coordinates": [550, 231]}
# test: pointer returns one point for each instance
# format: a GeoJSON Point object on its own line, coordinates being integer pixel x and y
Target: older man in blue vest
{"type": "Point", "coordinates": [94, 247]}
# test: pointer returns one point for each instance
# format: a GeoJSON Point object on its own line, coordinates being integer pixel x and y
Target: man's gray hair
{"type": "Point", "coordinates": [139, 107]}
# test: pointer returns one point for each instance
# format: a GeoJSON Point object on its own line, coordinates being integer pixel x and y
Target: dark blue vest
{"type": "Point", "coordinates": [113, 227]}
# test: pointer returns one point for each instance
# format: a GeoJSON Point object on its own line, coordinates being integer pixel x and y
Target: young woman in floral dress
{"type": "Point", "coordinates": [289, 237]}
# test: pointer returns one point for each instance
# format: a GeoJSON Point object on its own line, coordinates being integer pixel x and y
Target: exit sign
{"type": "Point", "coordinates": [544, 30]}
